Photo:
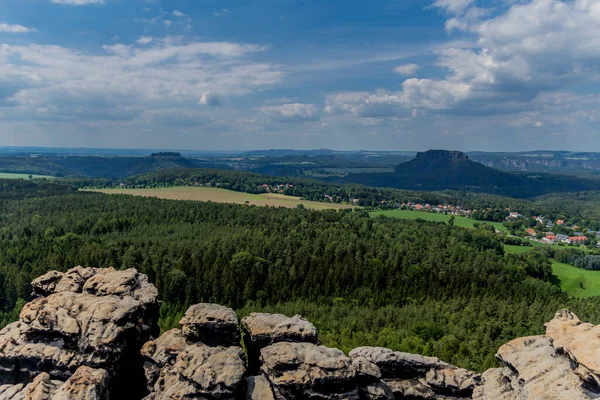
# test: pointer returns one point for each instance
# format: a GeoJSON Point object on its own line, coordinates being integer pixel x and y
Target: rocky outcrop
{"type": "Point", "coordinates": [414, 375]}
{"type": "Point", "coordinates": [85, 384]}
{"type": "Point", "coordinates": [261, 330]}
{"type": "Point", "coordinates": [203, 360]}
{"type": "Point", "coordinates": [80, 338]}
{"type": "Point", "coordinates": [85, 317]}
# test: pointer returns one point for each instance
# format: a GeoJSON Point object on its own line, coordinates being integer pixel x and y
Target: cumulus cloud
{"type": "Point", "coordinates": [453, 6]}
{"type": "Point", "coordinates": [179, 14]}
{"type": "Point", "coordinates": [133, 78]}
{"type": "Point", "coordinates": [532, 48]}
{"type": "Point", "coordinates": [295, 112]}
{"type": "Point", "coordinates": [145, 40]}
{"type": "Point", "coordinates": [209, 99]}
{"type": "Point", "coordinates": [77, 2]}
{"type": "Point", "coordinates": [8, 28]}
{"type": "Point", "coordinates": [407, 69]}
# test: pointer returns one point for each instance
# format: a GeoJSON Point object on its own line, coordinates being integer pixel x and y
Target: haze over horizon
{"type": "Point", "coordinates": [473, 75]}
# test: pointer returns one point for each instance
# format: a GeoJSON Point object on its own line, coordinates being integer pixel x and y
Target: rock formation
{"type": "Point", "coordinates": [91, 317]}
{"type": "Point", "coordinates": [80, 338]}
{"type": "Point", "coordinates": [203, 360]}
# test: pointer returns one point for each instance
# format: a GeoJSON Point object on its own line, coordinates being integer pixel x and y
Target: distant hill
{"type": "Point", "coordinates": [442, 169]}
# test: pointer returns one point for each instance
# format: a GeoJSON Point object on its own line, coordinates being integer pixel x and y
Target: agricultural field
{"type": "Point", "coordinates": [576, 281]}
{"type": "Point", "coordinates": [436, 217]}
{"type": "Point", "coordinates": [224, 196]}
{"type": "Point", "coordinates": [5, 175]}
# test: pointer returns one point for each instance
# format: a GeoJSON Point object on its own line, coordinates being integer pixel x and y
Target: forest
{"type": "Point", "coordinates": [415, 286]}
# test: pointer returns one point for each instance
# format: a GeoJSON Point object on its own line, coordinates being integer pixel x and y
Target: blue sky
{"type": "Point", "coordinates": [215, 75]}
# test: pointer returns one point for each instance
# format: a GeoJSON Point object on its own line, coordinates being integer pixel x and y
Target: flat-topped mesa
{"type": "Point", "coordinates": [95, 317]}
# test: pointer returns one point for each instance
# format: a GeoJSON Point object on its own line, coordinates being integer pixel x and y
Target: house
{"type": "Point", "coordinates": [549, 225]}
{"type": "Point", "coordinates": [575, 228]}
{"type": "Point", "coordinates": [562, 238]}
{"type": "Point", "coordinates": [550, 236]}
{"type": "Point", "coordinates": [514, 215]}
{"type": "Point", "coordinates": [578, 234]}
{"type": "Point", "coordinates": [578, 239]}
{"type": "Point", "coordinates": [546, 240]}
{"type": "Point", "coordinates": [530, 232]}
{"type": "Point", "coordinates": [560, 222]}
{"type": "Point", "coordinates": [355, 201]}
{"type": "Point", "coordinates": [418, 207]}
{"type": "Point", "coordinates": [539, 219]}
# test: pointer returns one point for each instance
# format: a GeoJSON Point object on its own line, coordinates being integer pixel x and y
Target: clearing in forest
{"type": "Point", "coordinates": [224, 196]}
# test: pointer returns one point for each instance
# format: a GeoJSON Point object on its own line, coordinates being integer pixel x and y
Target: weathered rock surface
{"type": "Point", "coordinates": [86, 317]}
{"type": "Point", "coordinates": [85, 384]}
{"type": "Point", "coordinates": [203, 360]}
{"type": "Point", "coordinates": [81, 337]}
{"type": "Point", "coordinates": [261, 330]}
{"type": "Point", "coordinates": [211, 324]}
{"type": "Point", "coordinates": [308, 371]}
{"type": "Point", "coordinates": [412, 375]}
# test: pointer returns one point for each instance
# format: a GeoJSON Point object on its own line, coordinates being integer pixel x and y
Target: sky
{"type": "Point", "coordinates": [490, 75]}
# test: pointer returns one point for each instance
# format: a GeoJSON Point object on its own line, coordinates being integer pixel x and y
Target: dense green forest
{"type": "Point", "coordinates": [409, 285]}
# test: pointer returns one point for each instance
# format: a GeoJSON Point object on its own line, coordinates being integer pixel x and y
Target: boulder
{"type": "Point", "coordinates": [161, 352]}
{"type": "Point", "coordinates": [580, 341]}
{"type": "Point", "coordinates": [203, 372]}
{"type": "Point", "coordinates": [211, 324]}
{"type": "Point", "coordinates": [415, 376]}
{"type": "Point", "coordinates": [258, 388]}
{"type": "Point", "coordinates": [308, 371]}
{"type": "Point", "coordinates": [87, 317]}
{"type": "Point", "coordinates": [532, 371]}
{"type": "Point", "coordinates": [85, 384]}
{"type": "Point", "coordinates": [261, 330]}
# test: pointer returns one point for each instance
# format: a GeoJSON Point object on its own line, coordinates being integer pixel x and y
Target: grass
{"type": "Point", "coordinates": [224, 196]}
{"type": "Point", "coordinates": [436, 217]}
{"type": "Point", "coordinates": [510, 249]}
{"type": "Point", "coordinates": [5, 175]}
{"type": "Point", "coordinates": [570, 278]}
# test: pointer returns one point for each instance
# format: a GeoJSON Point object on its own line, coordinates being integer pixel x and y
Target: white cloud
{"type": "Point", "coordinates": [179, 14]}
{"type": "Point", "coordinates": [294, 112]}
{"type": "Point", "coordinates": [453, 6]}
{"type": "Point", "coordinates": [145, 40]}
{"type": "Point", "coordinates": [209, 99]}
{"type": "Point", "coordinates": [407, 69]}
{"type": "Point", "coordinates": [77, 2]}
{"type": "Point", "coordinates": [167, 23]}
{"type": "Point", "coordinates": [8, 28]}
{"type": "Point", "coordinates": [538, 124]}
{"type": "Point", "coordinates": [75, 85]}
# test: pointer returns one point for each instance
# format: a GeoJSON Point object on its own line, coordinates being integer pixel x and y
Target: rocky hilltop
{"type": "Point", "coordinates": [91, 334]}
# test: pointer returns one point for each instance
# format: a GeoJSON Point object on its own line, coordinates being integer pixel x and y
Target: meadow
{"type": "Point", "coordinates": [436, 217]}
{"type": "Point", "coordinates": [576, 281]}
{"type": "Point", "coordinates": [6, 175]}
{"type": "Point", "coordinates": [224, 196]}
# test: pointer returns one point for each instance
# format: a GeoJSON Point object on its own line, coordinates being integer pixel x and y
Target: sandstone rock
{"type": "Point", "coordinates": [410, 389]}
{"type": "Point", "coordinates": [308, 371]}
{"type": "Point", "coordinates": [46, 284]}
{"type": "Point", "coordinates": [202, 372]}
{"type": "Point", "coordinates": [161, 352]}
{"type": "Point", "coordinates": [452, 381]}
{"type": "Point", "coordinates": [262, 330]}
{"type": "Point", "coordinates": [211, 324]}
{"type": "Point", "coordinates": [258, 388]}
{"type": "Point", "coordinates": [101, 324]}
{"type": "Point", "coordinates": [580, 341]}
{"type": "Point", "coordinates": [533, 372]}
{"type": "Point", "coordinates": [398, 365]}
{"type": "Point", "coordinates": [85, 384]}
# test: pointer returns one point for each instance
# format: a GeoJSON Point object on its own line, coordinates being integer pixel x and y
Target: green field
{"type": "Point", "coordinates": [510, 249]}
{"type": "Point", "coordinates": [225, 196]}
{"type": "Point", "coordinates": [570, 278]}
{"type": "Point", "coordinates": [4, 175]}
{"type": "Point", "coordinates": [436, 217]}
